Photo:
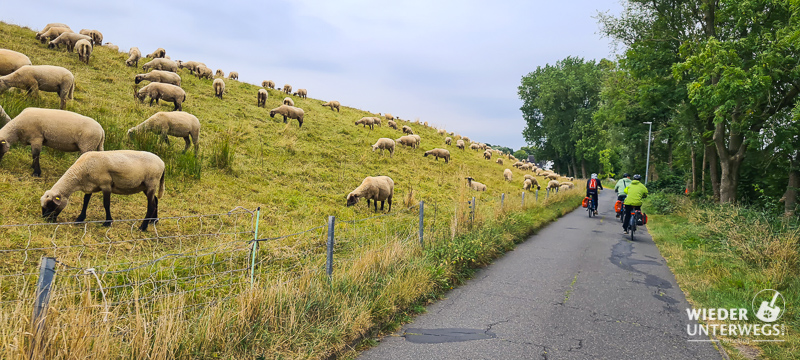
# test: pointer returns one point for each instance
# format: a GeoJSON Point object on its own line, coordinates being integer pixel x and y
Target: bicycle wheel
{"type": "Point", "coordinates": [589, 209]}
{"type": "Point", "coordinates": [632, 225]}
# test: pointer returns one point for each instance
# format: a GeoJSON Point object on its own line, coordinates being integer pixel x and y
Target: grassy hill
{"type": "Point", "coordinates": [298, 176]}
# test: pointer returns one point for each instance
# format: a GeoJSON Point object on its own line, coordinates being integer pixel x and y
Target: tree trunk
{"type": "Point", "coordinates": [711, 158]}
{"type": "Point", "coordinates": [694, 170]}
{"type": "Point", "coordinates": [574, 168]}
{"type": "Point", "coordinates": [703, 177]}
{"type": "Point", "coordinates": [790, 196]}
{"type": "Point", "coordinates": [583, 168]}
{"type": "Point", "coordinates": [731, 156]}
{"type": "Point", "coordinates": [669, 152]}
{"type": "Point", "coordinates": [653, 173]}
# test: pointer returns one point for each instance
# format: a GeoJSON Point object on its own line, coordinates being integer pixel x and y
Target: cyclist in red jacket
{"type": "Point", "coordinates": [591, 190]}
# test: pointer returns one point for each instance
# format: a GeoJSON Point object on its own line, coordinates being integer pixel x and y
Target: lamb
{"type": "Point", "coordinates": [332, 104]}
{"type": "Point", "coordinates": [57, 129]}
{"type": "Point", "coordinates": [133, 60]}
{"type": "Point", "coordinates": [460, 144]}
{"type": "Point", "coordinates": [475, 185]}
{"type": "Point", "coordinates": [69, 39]}
{"type": "Point", "coordinates": [407, 141]}
{"type": "Point", "coordinates": [392, 124]}
{"type": "Point", "coordinates": [84, 49]}
{"type": "Point", "coordinates": [233, 75]}
{"type": "Point", "coordinates": [52, 33]}
{"type": "Point", "coordinates": [49, 26]}
{"type": "Point", "coordinates": [290, 112]}
{"type": "Point", "coordinates": [123, 172]}
{"type": "Point", "coordinates": [499, 161]}
{"type": "Point", "coordinates": [219, 73]}
{"type": "Point", "coordinates": [203, 72]}
{"type": "Point", "coordinates": [97, 37]}
{"type": "Point", "coordinates": [407, 130]}
{"type": "Point", "coordinates": [375, 188]}
{"type": "Point", "coordinates": [448, 140]}
{"type": "Point", "coordinates": [268, 84]}
{"type": "Point", "coordinates": [160, 91]}
{"type": "Point", "coordinates": [161, 64]}
{"type": "Point", "coordinates": [389, 116]}
{"type": "Point", "coordinates": [41, 77]}
{"type": "Point", "coordinates": [474, 146]}
{"type": "Point", "coordinates": [384, 143]}
{"type": "Point", "coordinates": [439, 153]}
{"type": "Point", "coordinates": [302, 93]}
{"type": "Point", "coordinates": [262, 97]}
{"type": "Point", "coordinates": [159, 53]}
{"type": "Point", "coordinates": [553, 184]}
{"type": "Point", "coordinates": [165, 77]}
{"type": "Point", "coordinates": [191, 65]}
{"type": "Point", "coordinates": [288, 101]}
{"type": "Point", "coordinates": [366, 121]}
{"type": "Point", "coordinates": [173, 123]}
{"type": "Point", "coordinates": [10, 61]}
{"type": "Point", "coordinates": [507, 174]}
{"type": "Point", "coordinates": [287, 89]}
{"type": "Point", "coordinates": [487, 155]}
{"type": "Point", "coordinates": [112, 46]}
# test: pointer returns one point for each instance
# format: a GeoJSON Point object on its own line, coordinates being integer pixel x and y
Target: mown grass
{"type": "Point", "coordinates": [722, 256]}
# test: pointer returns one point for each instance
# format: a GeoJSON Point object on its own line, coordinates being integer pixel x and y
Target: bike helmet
{"type": "Point", "coordinates": [626, 175]}
{"type": "Point", "coordinates": [594, 176]}
{"type": "Point", "coordinates": [637, 177]}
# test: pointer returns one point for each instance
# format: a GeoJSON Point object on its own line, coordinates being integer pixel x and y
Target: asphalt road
{"type": "Point", "coordinates": [579, 289]}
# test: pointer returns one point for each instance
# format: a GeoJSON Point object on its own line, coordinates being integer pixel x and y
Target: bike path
{"type": "Point", "coordinates": [579, 289]}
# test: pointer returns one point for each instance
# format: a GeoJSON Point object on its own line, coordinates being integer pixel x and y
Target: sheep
{"type": "Point", "coordinates": [288, 101]}
{"type": "Point", "coordinates": [159, 53]}
{"type": "Point", "coordinates": [97, 37]}
{"type": "Point", "coordinates": [112, 46]}
{"type": "Point", "coordinates": [233, 75]}
{"type": "Point", "coordinates": [527, 184]}
{"type": "Point", "coordinates": [52, 33]}
{"type": "Point", "coordinates": [69, 39]}
{"type": "Point", "coordinates": [384, 143]}
{"type": "Point", "coordinates": [567, 183]}
{"type": "Point", "coordinates": [287, 89]}
{"type": "Point", "coordinates": [332, 104]}
{"type": "Point", "coordinates": [571, 178]}
{"type": "Point", "coordinates": [563, 187]}
{"type": "Point", "coordinates": [161, 64]}
{"type": "Point", "coordinates": [375, 188]}
{"type": "Point", "coordinates": [41, 77]}
{"type": "Point", "coordinates": [49, 26]}
{"type": "Point", "coordinates": [268, 84]}
{"type": "Point", "coordinates": [507, 174]}
{"type": "Point", "coordinates": [439, 153]}
{"type": "Point", "coordinates": [57, 129]}
{"type": "Point", "coordinates": [4, 118]}
{"type": "Point", "coordinates": [518, 164]}
{"type": "Point", "coordinates": [219, 87]}
{"type": "Point", "coordinates": [11, 60]}
{"type": "Point", "coordinates": [392, 124]}
{"type": "Point", "coordinates": [377, 121]}
{"type": "Point", "coordinates": [302, 93]}
{"type": "Point", "coordinates": [448, 140]}
{"type": "Point", "coordinates": [460, 144]}
{"type": "Point", "coordinates": [290, 112]}
{"type": "Point", "coordinates": [526, 167]}
{"type": "Point", "coordinates": [442, 132]}
{"type": "Point", "coordinates": [135, 55]}
{"type": "Point", "coordinates": [160, 91]}
{"type": "Point", "coordinates": [425, 124]}
{"type": "Point", "coordinates": [165, 77]}
{"type": "Point", "coordinates": [84, 49]}
{"type": "Point", "coordinates": [553, 184]}
{"type": "Point", "coordinates": [475, 185]}
{"type": "Point", "coordinates": [474, 146]}
{"type": "Point", "coordinates": [487, 155]}
{"type": "Point", "coordinates": [551, 176]}
{"type": "Point", "coordinates": [417, 138]}
{"type": "Point", "coordinates": [173, 123]}
{"type": "Point", "coordinates": [203, 72]}
{"type": "Point", "coordinates": [407, 130]}
{"type": "Point", "coordinates": [123, 172]}
{"type": "Point", "coordinates": [499, 161]}
{"type": "Point", "coordinates": [366, 121]}
{"type": "Point", "coordinates": [407, 141]}
{"type": "Point", "coordinates": [389, 116]}
{"type": "Point", "coordinates": [191, 65]}
{"type": "Point", "coordinates": [466, 139]}
{"type": "Point", "coordinates": [262, 97]}
{"type": "Point", "coordinates": [219, 73]}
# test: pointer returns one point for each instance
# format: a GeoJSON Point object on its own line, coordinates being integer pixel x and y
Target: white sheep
{"type": "Point", "coordinates": [287, 89]}
{"type": "Point", "coordinates": [407, 141]}
{"type": "Point", "coordinates": [415, 136]}
{"type": "Point", "coordinates": [288, 101]}
{"type": "Point", "coordinates": [302, 93]}
{"type": "Point", "coordinates": [448, 140]}
{"type": "Point", "coordinates": [97, 37]}
{"type": "Point", "coordinates": [159, 53]}
{"type": "Point", "coordinates": [269, 84]}
{"type": "Point", "coordinates": [219, 73]}
{"type": "Point", "coordinates": [173, 123]}
{"type": "Point", "coordinates": [564, 187]}
{"type": "Point", "coordinates": [191, 65]}
{"type": "Point", "coordinates": [203, 72]}
{"type": "Point", "coordinates": [460, 144]}
{"type": "Point", "coordinates": [499, 161]}
{"type": "Point", "coordinates": [439, 153]}
{"type": "Point", "coordinates": [475, 185]}
{"type": "Point", "coordinates": [112, 46]}
{"type": "Point", "coordinates": [233, 75]}
{"type": "Point", "coordinates": [69, 39]}
{"type": "Point", "coordinates": [384, 143]}
{"type": "Point", "coordinates": [56, 129]}
{"type": "Point", "coordinates": [219, 87]}
{"type": "Point", "coordinates": [442, 132]}
{"type": "Point", "coordinates": [52, 33]}
{"type": "Point", "coordinates": [487, 155]}
{"type": "Point", "coordinates": [332, 104]}
{"type": "Point", "coordinates": [262, 97]}
{"type": "Point", "coordinates": [84, 49]}
{"type": "Point", "coordinates": [389, 116]}
{"type": "Point", "coordinates": [507, 174]}
{"type": "Point", "coordinates": [567, 183]}
{"type": "Point", "coordinates": [366, 121]}
{"type": "Point", "coordinates": [135, 55]}
{"type": "Point", "coordinates": [11, 60]}
{"type": "Point", "coordinates": [165, 77]}
{"type": "Point", "coordinates": [34, 78]}
{"type": "Point", "coordinates": [161, 91]}
{"type": "Point", "coordinates": [375, 188]}
{"type": "Point", "coordinates": [49, 26]}
{"type": "Point", "coordinates": [553, 184]}
{"type": "Point", "coordinates": [289, 112]}
{"type": "Point", "coordinates": [391, 124]}
{"type": "Point", "coordinates": [407, 129]}
{"type": "Point", "coordinates": [161, 64]}
{"type": "Point", "coordinates": [123, 172]}
{"type": "Point", "coordinates": [474, 146]}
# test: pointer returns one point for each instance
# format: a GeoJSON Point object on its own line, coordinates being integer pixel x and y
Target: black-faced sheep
{"type": "Point", "coordinates": [173, 123]}
{"type": "Point", "coordinates": [57, 129]}
{"type": "Point", "coordinates": [527, 184]}
{"type": "Point", "coordinates": [262, 97]}
{"type": "Point", "coordinates": [366, 121]}
{"type": "Point", "coordinates": [161, 64]}
{"type": "Point", "coordinates": [69, 39]}
{"type": "Point", "coordinates": [34, 78]}
{"type": "Point", "coordinates": [160, 91]}
{"type": "Point", "coordinates": [97, 37]}
{"type": "Point", "coordinates": [375, 188]}
{"type": "Point", "coordinates": [287, 89]}
{"type": "Point", "coordinates": [84, 49]}
{"type": "Point", "coordinates": [269, 84]}
{"type": "Point", "coordinates": [233, 75]}
{"type": "Point", "coordinates": [439, 153]}
{"type": "Point", "coordinates": [11, 60]}
{"type": "Point", "coordinates": [302, 93]}
{"type": "Point", "coordinates": [407, 130]}
{"type": "Point", "coordinates": [391, 124]}
{"type": "Point", "coordinates": [204, 72]}
{"type": "Point", "coordinates": [49, 26]}
{"type": "Point", "coordinates": [475, 185]}
{"type": "Point", "coordinates": [288, 101]}
{"type": "Point", "coordinates": [389, 116]}
{"type": "Point", "coordinates": [460, 144]}
{"type": "Point", "coordinates": [219, 73]}
{"type": "Point", "coordinates": [52, 33]}
{"type": "Point", "coordinates": [190, 65]}
{"type": "Point", "coordinates": [135, 55]}
{"type": "Point", "coordinates": [474, 146]}
{"type": "Point", "coordinates": [384, 143]}
{"type": "Point", "coordinates": [487, 155]}
{"type": "Point", "coordinates": [289, 112]}
{"type": "Point", "coordinates": [332, 104]}
{"type": "Point", "coordinates": [507, 174]}
{"type": "Point", "coordinates": [123, 172]}
{"type": "Point", "coordinates": [448, 140]}
{"type": "Point", "coordinates": [407, 141]}
{"type": "Point", "coordinates": [165, 77]}
{"type": "Point", "coordinates": [219, 87]}
{"type": "Point", "coordinates": [159, 53]}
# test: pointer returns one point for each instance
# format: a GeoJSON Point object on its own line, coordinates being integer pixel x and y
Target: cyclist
{"type": "Point", "coordinates": [636, 192]}
{"type": "Point", "coordinates": [620, 187]}
{"type": "Point", "coordinates": [591, 190]}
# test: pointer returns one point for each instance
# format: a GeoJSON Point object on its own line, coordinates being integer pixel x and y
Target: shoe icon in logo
{"type": "Point", "coordinates": [769, 311]}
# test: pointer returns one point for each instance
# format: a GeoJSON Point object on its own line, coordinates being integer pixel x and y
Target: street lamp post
{"type": "Point", "coordinates": [649, 138]}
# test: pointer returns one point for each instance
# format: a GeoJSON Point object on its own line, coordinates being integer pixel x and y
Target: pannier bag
{"type": "Point", "coordinates": [586, 202]}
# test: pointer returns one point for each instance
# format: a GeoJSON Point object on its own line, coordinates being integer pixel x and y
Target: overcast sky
{"type": "Point", "coordinates": [455, 64]}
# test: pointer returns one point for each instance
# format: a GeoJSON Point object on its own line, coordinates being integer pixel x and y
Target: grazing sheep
{"type": "Point", "coordinates": [69, 39]}
{"type": "Point", "coordinates": [219, 87]}
{"type": "Point", "coordinates": [56, 129]}
{"type": "Point", "coordinates": [377, 121]}
{"type": "Point", "coordinates": [567, 183]}
{"type": "Point", "coordinates": [439, 153]}
{"type": "Point", "coordinates": [191, 65]}
{"type": "Point", "coordinates": [474, 146]}
{"type": "Point", "coordinates": [112, 46]}
{"type": "Point", "coordinates": [159, 53]}
{"type": "Point", "coordinates": [366, 121]}
{"type": "Point", "coordinates": [332, 104]}
{"type": "Point", "coordinates": [161, 64]}
{"type": "Point", "coordinates": [135, 55]}
{"type": "Point", "coordinates": [4, 118]}
{"type": "Point", "coordinates": [302, 93]}
{"type": "Point", "coordinates": [123, 172]}
{"type": "Point", "coordinates": [475, 185]}
{"type": "Point", "coordinates": [507, 174]}
{"type": "Point", "coordinates": [551, 176]}
{"type": "Point", "coordinates": [416, 137]}
{"type": "Point", "coordinates": [384, 143]}
{"type": "Point", "coordinates": [389, 116]}
{"type": "Point", "coordinates": [34, 78]}
{"type": "Point", "coordinates": [160, 91]}
{"type": "Point", "coordinates": [288, 101]}
{"type": "Point", "coordinates": [460, 144]}
{"type": "Point", "coordinates": [392, 124]}
{"type": "Point", "coordinates": [97, 37]}
{"type": "Point", "coordinates": [290, 112]}
{"type": "Point", "coordinates": [407, 130]}
{"type": "Point", "coordinates": [527, 184]}
{"type": "Point", "coordinates": [233, 75]}
{"type": "Point", "coordinates": [48, 27]}
{"type": "Point", "coordinates": [442, 132]}
{"type": "Point", "coordinates": [53, 33]}
{"type": "Point", "coordinates": [553, 184]}
{"type": "Point", "coordinates": [571, 178]}
{"type": "Point", "coordinates": [375, 188]}
{"type": "Point", "coordinates": [448, 140]}
{"type": "Point", "coordinates": [11, 60]}
{"type": "Point", "coordinates": [84, 49]}
{"type": "Point", "coordinates": [407, 141]}
{"type": "Point", "coordinates": [262, 97]}
{"type": "Point", "coordinates": [563, 187]}
{"type": "Point", "coordinates": [268, 84]}
{"type": "Point", "coordinates": [204, 72]}
{"type": "Point", "coordinates": [173, 123]}
{"type": "Point", "coordinates": [499, 161]}
{"type": "Point", "coordinates": [287, 89]}
{"type": "Point", "coordinates": [487, 155]}
{"type": "Point", "coordinates": [165, 77]}
{"type": "Point", "coordinates": [219, 73]}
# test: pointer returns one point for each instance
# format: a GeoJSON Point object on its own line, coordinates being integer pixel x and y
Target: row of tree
{"type": "Point", "coordinates": [719, 80]}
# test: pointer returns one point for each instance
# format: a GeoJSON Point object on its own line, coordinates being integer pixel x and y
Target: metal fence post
{"type": "Point", "coordinates": [537, 195]}
{"type": "Point", "coordinates": [47, 272]}
{"type": "Point", "coordinates": [502, 199]}
{"type": "Point", "coordinates": [472, 216]}
{"type": "Point", "coordinates": [329, 267]}
{"type": "Point", "coordinates": [254, 248]}
{"type": "Point", "coordinates": [523, 199]}
{"type": "Point", "coordinates": [421, 222]}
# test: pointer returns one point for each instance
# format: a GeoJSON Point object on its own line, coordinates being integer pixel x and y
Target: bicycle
{"type": "Point", "coordinates": [621, 212]}
{"type": "Point", "coordinates": [590, 208]}
{"type": "Point", "coordinates": [636, 218]}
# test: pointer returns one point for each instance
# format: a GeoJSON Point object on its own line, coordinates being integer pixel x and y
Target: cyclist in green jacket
{"type": "Point", "coordinates": [636, 192]}
{"type": "Point", "coordinates": [620, 187]}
